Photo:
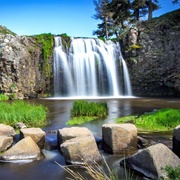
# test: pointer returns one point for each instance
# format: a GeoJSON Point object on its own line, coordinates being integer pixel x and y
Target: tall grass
{"type": "Point", "coordinates": [160, 120]}
{"type": "Point", "coordinates": [3, 97]}
{"type": "Point", "coordinates": [83, 111]}
{"type": "Point", "coordinates": [94, 171]}
{"type": "Point", "coordinates": [21, 111]}
{"type": "Point", "coordinates": [84, 108]}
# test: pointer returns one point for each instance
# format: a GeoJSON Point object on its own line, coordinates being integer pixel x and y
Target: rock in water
{"type": "Point", "coordinates": [25, 149]}
{"type": "Point", "coordinates": [152, 161]}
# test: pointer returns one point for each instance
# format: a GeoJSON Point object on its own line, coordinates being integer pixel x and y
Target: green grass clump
{"type": "Point", "coordinates": [161, 120]}
{"type": "Point", "coordinates": [80, 120]}
{"type": "Point", "coordinates": [21, 111]}
{"type": "Point", "coordinates": [173, 173]}
{"type": "Point", "coordinates": [84, 108]}
{"type": "Point", "coordinates": [4, 97]}
{"type": "Point", "coordinates": [83, 111]}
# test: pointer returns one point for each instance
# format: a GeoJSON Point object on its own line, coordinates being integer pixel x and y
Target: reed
{"type": "Point", "coordinates": [160, 120]}
{"type": "Point", "coordinates": [4, 97]}
{"type": "Point", "coordinates": [94, 171]}
{"type": "Point", "coordinates": [21, 111]}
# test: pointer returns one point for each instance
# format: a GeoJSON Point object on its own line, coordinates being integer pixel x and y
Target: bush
{"type": "Point", "coordinates": [21, 111]}
{"type": "Point", "coordinates": [160, 120]}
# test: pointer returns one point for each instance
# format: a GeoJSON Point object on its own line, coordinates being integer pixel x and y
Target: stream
{"type": "Point", "coordinates": [59, 114]}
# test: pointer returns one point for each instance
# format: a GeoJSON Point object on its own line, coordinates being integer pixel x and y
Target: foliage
{"type": "Point", "coordinates": [47, 43]}
{"type": "Point", "coordinates": [173, 173]}
{"type": "Point", "coordinates": [21, 111]}
{"type": "Point", "coordinates": [84, 108]}
{"type": "Point", "coordinates": [4, 97]}
{"type": "Point", "coordinates": [159, 120]}
{"type": "Point", "coordinates": [116, 15]}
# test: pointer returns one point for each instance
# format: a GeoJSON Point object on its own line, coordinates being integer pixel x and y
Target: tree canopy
{"type": "Point", "coordinates": [116, 15]}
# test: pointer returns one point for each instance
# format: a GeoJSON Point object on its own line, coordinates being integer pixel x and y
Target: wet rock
{"type": "Point", "coordinates": [144, 143]}
{"type": "Point", "coordinates": [73, 132]}
{"type": "Point", "coordinates": [5, 143]}
{"type": "Point", "coordinates": [25, 149]}
{"type": "Point", "coordinates": [37, 134]}
{"type": "Point", "coordinates": [20, 125]}
{"type": "Point", "coordinates": [80, 150]}
{"type": "Point", "coordinates": [176, 141]}
{"type": "Point", "coordinates": [152, 161]}
{"type": "Point", "coordinates": [119, 137]}
{"type": "Point", "coordinates": [6, 130]}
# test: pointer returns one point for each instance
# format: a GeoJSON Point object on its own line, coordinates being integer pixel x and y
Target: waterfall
{"type": "Point", "coordinates": [89, 67]}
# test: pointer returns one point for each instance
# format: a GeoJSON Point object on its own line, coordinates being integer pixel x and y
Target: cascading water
{"type": "Point", "coordinates": [89, 67]}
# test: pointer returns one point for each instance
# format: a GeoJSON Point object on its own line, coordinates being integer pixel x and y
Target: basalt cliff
{"type": "Point", "coordinates": [154, 64]}
{"type": "Point", "coordinates": [26, 62]}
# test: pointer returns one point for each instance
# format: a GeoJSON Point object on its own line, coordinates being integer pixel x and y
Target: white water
{"type": "Point", "coordinates": [88, 68]}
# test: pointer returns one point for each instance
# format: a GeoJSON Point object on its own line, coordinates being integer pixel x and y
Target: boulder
{"type": "Point", "coordinates": [72, 132]}
{"type": "Point", "coordinates": [5, 143]}
{"type": "Point", "coordinates": [80, 150]}
{"type": "Point", "coordinates": [37, 134]}
{"type": "Point", "coordinates": [152, 161]}
{"type": "Point", "coordinates": [25, 149]}
{"type": "Point", "coordinates": [6, 130]}
{"type": "Point", "coordinates": [176, 141]}
{"type": "Point", "coordinates": [119, 137]}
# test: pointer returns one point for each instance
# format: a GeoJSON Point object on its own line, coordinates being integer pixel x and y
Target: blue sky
{"type": "Point", "coordinates": [74, 17]}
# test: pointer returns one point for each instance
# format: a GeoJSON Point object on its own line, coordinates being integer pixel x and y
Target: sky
{"type": "Point", "coordinates": [73, 17]}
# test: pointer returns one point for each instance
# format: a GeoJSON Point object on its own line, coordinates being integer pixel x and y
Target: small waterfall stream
{"type": "Point", "coordinates": [89, 67]}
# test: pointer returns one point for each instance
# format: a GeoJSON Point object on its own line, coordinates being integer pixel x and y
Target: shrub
{"type": "Point", "coordinates": [21, 111]}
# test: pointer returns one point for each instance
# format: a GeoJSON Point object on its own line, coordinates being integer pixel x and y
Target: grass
{"type": "Point", "coordinates": [161, 120]}
{"type": "Point", "coordinates": [95, 171]}
{"type": "Point", "coordinates": [4, 97]}
{"type": "Point", "coordinates": [83, 111]}
{"type": "Point", "coordinates": [21, 111]}
{"type": "Point", "coordinates": [80, 120]}
{"type": "Point", "coordinates": [173, 173]}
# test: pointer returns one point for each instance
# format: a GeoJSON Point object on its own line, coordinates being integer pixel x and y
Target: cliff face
{"type": "Point", "coordinates": [21, 61]}
{"type": "Point", "coordinates": [155, 66]}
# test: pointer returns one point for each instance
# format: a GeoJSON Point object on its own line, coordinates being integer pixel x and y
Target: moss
{"type": "Point", "coordinates": [66, 40]}
{"type": "Point", "coordinates": [46, 41]}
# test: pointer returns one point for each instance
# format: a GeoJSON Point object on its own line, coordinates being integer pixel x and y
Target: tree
{"type": "Point", "coordinates": [139, 9]}
{"type": "Point", "coordinates": [102, 13]}
{"type": "Point", "coordinates": [152, 5]}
